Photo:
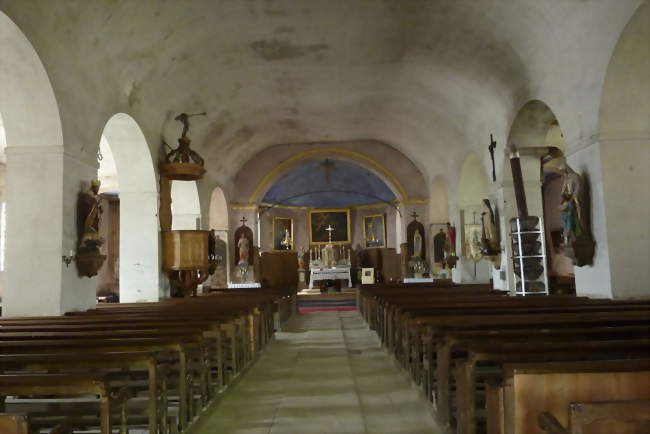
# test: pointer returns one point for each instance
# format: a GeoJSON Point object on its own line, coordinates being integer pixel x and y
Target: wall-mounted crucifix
{"type": "Point", "coordinates": [493, 145]}
{"type": "Point", "coordinates": [415, 215]}
{"type": "Point", "coordinates": [243, 221]}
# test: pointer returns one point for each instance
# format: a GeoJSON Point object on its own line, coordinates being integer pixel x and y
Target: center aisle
{"type": "Point", "coordinates": [325, 373]}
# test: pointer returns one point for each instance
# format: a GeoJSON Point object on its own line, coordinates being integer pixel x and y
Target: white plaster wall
{"type": "Point", "coordinates": [625, 158]}
{"type": "Point", "coordinates": [140, 275]}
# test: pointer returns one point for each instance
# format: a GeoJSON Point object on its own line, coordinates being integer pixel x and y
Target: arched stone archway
{"type": "Point", "coordinates": [219, 222]}
{"type": "Point", "coordinates": [34, 139]}
{"type": "Point", "coordinates": [620, 166]}
{"type": "Point", "coordinates": [139, 269]}
{"type": "Point", "coordinates": [535, 126]}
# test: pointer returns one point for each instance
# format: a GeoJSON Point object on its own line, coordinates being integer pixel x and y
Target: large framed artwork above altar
{"type": "Point", "coordinates": [322, 219]}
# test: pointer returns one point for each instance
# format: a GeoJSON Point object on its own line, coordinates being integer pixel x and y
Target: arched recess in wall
{"type": "Point", "coordinates": [138, 260]}
{"type": "Point", "coordinates": [438, 217]}
{"type": "Point", "coordinates": [537, 126]}
{"type": "Point", "coordinates": [334, 154]}
{"type": "Point", "coordinates": [34, 138]}
{"type": "Point", "coordinates": [472, 189]}
{"type": "Point", "coordinates": [218, 210]}
{"type": "Point", "coordinates": [625, 158]}
{"type": "Point", "coordinates": [218, 216]}
{"type": "Point", "coordinates": [186, 208]}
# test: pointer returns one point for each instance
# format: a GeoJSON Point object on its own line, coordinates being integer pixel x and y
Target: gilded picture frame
{"type": "Point", "coordinates": [320, 219]}
{"type": "Point", "coordinates": [280, 227]}
{"type": "Point", "coordinates": [374, 231]}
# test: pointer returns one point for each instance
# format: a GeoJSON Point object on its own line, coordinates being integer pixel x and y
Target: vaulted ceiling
{"type": "Point", "coordinates": [430, 77]}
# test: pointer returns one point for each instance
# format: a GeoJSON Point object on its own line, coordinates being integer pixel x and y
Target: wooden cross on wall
{"type": "Point", "coordinates": [493, 144]}
{"type": "Point", "coordinates": [415, 215]}
{"type": "Point", "coordinates": [243, 221]}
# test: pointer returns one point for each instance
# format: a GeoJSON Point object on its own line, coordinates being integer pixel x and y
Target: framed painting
{"type": "Point", "coordinates": [472, 242]}
{"type": "Point", "coordinates": [374, 231]}
{"type": "Point", "coordinates": [282, 233]}
{"type": "Point", "coordinates": [338, 220]}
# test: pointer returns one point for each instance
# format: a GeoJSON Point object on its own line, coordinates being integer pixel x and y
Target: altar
{"type": "Point", "coordinates": [337, 273]}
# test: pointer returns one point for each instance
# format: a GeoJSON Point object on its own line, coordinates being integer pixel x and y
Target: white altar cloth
{"type": "Point", "coordinates": [244, 285]}
{"type": "Point", "coordinates": [329, 274]}
{"type": "Point", "coordinates": [418, 280]}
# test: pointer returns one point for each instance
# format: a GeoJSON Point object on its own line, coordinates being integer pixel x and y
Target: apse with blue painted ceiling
{"type": "Point", "coordinates": [328, 183]}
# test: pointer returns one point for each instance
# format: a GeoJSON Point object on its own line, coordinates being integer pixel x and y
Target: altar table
{"type": "Point", "coordinates": [329, 274]}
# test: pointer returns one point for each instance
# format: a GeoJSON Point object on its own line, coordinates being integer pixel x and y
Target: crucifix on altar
{"type": "Point", "coordinates": [329, 230]}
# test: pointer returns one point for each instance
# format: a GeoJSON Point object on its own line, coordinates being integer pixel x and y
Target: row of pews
{"type": "Point", "coordinates": [119, 367]}
{"type": "Point", "coordinates": [491, 363]}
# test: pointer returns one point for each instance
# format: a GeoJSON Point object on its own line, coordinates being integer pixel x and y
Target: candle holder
{"type": "Point", "coordinates": [67, 259]}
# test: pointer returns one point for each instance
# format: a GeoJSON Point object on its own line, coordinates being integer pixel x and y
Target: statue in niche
{"type": "Point", "coordinates": [570, 205]}
{"type": "Point", "coordinates": [439, 242]}
{"type": "Point", "coordinates": [417, 245]}
{"type": "Point", "coordinates": [577, 240]}
{"type": "Point", "coordinates": [88, 211]}
{"type": "Point", "coordinates": [243, 247]}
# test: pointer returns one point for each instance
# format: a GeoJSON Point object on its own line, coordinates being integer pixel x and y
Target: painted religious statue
{"type": "Point", "coordinates": [489, 237]}
{"type": "Point", "coordinates": [243, 247]}
{"type": "Point", "coordinates": [88, 211]}
{"type": "Point", "coordinates": [577, 241]}
{"type": "Point", "coordinates": [572, 225]}
{"type": "Point", "coordinates": [450, 246]}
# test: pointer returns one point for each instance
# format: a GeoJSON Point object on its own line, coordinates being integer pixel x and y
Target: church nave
{"type": "Point", "coordinates": [324, 373]}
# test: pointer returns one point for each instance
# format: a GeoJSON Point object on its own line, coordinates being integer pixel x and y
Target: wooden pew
{"type": "Point", "coordinates": [525, 389]}
{"type": "Point", "coordinates": [67, 386]}
{"type": "Point", "coordinates": [96, 362]}
{"type": "Point", "coordinates": [144, 327]}
{"type": "Point", "coordinates": [14, 424]}
{"type": "Point", "coordinates": [437, 329]}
